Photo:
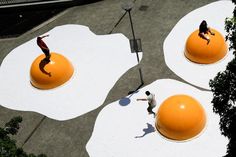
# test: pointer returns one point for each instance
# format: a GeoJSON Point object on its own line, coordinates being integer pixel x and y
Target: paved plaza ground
{"type": "Point", "coordinates": [153, 20]}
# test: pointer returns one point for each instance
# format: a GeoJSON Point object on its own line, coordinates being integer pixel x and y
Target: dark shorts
{"type": "Point", "coordinates": [149, 109]}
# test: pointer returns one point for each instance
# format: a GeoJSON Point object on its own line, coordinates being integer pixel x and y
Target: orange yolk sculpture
{"type": "Point", "coordinates": [198, 51]}
{"type": "Point", "coordinates": [48, 74]}
{"type": "Point", "coordinates": [180, 117]}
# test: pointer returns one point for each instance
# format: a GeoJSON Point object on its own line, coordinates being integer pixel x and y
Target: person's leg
{"type": "Point", "coordinates": [149, 109]}
{"type": "Point", "coordinates": [153, 112]}
{"type": "Point", "coordinates": [203, 36]}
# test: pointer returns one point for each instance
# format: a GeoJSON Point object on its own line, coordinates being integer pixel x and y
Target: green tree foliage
{"type": "Point", "coordinates": [230, 27]}
{"type": "Point", "coordinates": [8, 146]}
{"type": "Point", "coordinates": [223, 87]}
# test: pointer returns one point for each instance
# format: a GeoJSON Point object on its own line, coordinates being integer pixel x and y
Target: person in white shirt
{"type": "Point", "coordinates": [151, 102]}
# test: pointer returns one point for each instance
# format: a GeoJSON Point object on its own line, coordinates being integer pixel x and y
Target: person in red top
{"type": "Point", "coordinates": [44, 47]}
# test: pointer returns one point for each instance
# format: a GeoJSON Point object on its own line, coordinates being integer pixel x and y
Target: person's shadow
{"type": "Point", "coordinates": [126, 100]}
{"type": "Point", "coordinates": [147, 130]}
{"type": "Point", "coordinates": [42, 64]}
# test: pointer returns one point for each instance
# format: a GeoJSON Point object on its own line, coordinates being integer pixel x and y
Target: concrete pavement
{"type": "Point", "coordinates": [153, 20]}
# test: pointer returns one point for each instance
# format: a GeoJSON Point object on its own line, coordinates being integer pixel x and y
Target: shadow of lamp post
{"type": "Point", "coordinates": [135, 44]}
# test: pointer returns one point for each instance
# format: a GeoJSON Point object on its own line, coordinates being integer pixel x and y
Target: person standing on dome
{"type": "Point", "coordinates": [204, 30]}
{"type": "Point", "coordinates": [44, 47]}
{"type": "Point", "coordinates": [151, 102]}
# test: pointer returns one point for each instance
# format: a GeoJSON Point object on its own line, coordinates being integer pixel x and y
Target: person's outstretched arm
{"type": "Point", "coordinates": [44, 36]}
{"type": "Point", "coordinates": [142, 99]}
{"type": "Point", "coordinates": [212, 33]}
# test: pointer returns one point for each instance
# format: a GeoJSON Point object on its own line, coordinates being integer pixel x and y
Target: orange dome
{"type": "Point", "coordinates": [197, 49]}
{"type": "Point", "coordinates": [50, 74]}
{"type": "Point", "coordinates": [180, 117]}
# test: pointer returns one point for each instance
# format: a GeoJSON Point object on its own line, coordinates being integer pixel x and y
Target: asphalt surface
{"type": "Point", "coordinates": [153, 20]}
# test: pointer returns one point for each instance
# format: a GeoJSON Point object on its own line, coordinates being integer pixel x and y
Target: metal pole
{"type": "Point", "coordinates": [131, 23]}
{"type": "Point", "coordinates": [128, 7]}
{"type": "Point", "coordinates": [134, 39]}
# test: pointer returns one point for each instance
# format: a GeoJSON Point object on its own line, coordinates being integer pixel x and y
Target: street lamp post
{"type": "Point", "coordinates": [135, 44]}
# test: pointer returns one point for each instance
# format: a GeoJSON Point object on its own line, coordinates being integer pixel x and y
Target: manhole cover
{"type": "Point", "coordinates": [143, 8]}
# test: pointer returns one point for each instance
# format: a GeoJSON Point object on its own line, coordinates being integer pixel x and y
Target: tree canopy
{"type": "Point", "coordinates": [8, 146]}
{"type": "Point", "coordinates": [223, 87]}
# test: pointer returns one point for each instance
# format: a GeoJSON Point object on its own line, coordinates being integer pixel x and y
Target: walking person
{"type": "Point", "coordinates": [44, 47]}
{"type": "Point", "coordinates": [151, 102]}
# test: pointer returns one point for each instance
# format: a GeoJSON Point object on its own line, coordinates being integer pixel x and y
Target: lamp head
{"type": "Point", "coordinates": [127, 6]}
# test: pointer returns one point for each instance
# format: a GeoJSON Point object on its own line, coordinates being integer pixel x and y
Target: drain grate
{"type": "Point", "coordinates": [143, 8]}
